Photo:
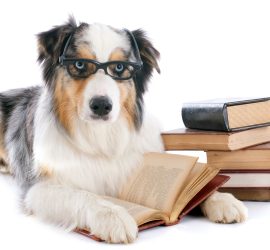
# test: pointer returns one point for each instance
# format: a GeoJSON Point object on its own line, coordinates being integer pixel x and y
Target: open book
{"type": "Point", "coordinates": [161, 188]}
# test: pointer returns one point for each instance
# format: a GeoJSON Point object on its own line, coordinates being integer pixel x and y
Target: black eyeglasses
{"type": "Point", "coordinates": [118, 70]}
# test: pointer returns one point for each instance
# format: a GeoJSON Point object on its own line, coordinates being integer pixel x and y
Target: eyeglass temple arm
{"type": "Point", "coordinates": [134, 43]}
{"type": "Point", "coordinates": [61, 58]}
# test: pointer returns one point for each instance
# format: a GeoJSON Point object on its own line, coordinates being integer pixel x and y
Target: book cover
{"type": "Point", "coordinates": [248, 184]}
{"type": "Point", "coordinates": [255, 158]}
{"type": "Point", "coordinates": [192, 139]}
{"type": "Point", "coordinates": [241, 178]}
{"type": "Point", "coordinates": [248, 193]}
{"type": "Point", "coordinates": [227, 114]}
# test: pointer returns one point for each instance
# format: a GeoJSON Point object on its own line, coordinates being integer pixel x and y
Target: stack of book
{"type": "Point", "coordinates": [235, 134]}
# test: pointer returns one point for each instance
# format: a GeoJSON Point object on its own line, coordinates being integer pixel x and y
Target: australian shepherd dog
{"type": "Point", "coordinates": [82, 134]}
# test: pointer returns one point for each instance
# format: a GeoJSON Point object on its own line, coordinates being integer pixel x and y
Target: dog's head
{"type": "Point", "coordinates": [96, 73]}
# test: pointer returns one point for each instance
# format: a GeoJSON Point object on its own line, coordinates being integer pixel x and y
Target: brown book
{"type": "Point", "coordinates": [162, 189]}
{"type": "Point", "coordinates": [249, 170]}
{"type": "Point", "coordinates": [248, 193]}
{"type": "Point", "coordinates": [191, 139]}
{"type": "Point", "coordinates": [252, 158]}
{"type": "Point", "coordinates": [248, 184]}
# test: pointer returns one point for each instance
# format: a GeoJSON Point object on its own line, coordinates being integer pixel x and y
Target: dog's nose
{"type": "Point", "coordinates": [101, 105]}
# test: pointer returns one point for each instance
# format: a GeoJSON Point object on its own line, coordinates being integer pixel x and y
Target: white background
{"type": "Point", "coordinates": [208, 49]}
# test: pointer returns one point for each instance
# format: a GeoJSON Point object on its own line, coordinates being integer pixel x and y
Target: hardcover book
{"type": "Point", "coordinates": [165, 188]}
{"type": "Point", "coordinates": [191, 139]}
{"type": "Point", "coordinates": [248, 185]}
{"type": "Point", "coordinates": [251, 158]}
{"type": "Point", "coordinates": [249, 170]}
{"type": "Point", "coordinates": [227, 114]}
{"type": "Point", "coordinates": [248, 193]}
{"type": "Point", "coordinates": [240, 178]}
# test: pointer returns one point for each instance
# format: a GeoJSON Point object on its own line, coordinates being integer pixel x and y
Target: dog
{"type": "Point", "coordinates": [82, 134]}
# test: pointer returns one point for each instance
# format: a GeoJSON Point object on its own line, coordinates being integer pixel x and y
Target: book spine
{"type": "Point", "coordinates": [249, 194]}
{"type": "Point", "coordinates": [205, 116]}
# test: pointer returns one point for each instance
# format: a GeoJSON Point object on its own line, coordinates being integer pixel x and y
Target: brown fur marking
{"type": "Point", "coordinates": [118, 55]}
{"type": "Point", "coordinates": [65, 108]}
{"type": "Point", "coordinates": [84, 52]}
{"type": "Point", "coordinates": [79, 89]}
{"type": "Point", "coordinates": [127, 102]}
{"type": "Point", "coordinates": [127, 90]}
{"type": "Point", "coordinates": [68, 97]}
{"type": "Point", "coordinates": [46, 171]}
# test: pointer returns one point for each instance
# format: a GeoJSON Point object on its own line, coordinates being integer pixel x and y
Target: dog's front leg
{"type": "Point", "coordinates": [224, 208]}
{"type": "Point", "coordinates": [71, 208]}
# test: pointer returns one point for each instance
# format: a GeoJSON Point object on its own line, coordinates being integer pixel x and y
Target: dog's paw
{"type": "Point", "coordinates": [113, 224]}
{"type": "Point", "coordinates": [224, 208]}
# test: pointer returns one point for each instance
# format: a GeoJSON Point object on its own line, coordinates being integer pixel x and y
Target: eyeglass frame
{"type": "Point", "coordinates": [63, 61]}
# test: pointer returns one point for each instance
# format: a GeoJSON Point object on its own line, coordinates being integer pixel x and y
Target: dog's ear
{"type": "Point", "coordinates": [148, 53]}
{"type": "Point", "coordinates": [149, 56]}
{"type": "Point", "coordinates": [51, 42]}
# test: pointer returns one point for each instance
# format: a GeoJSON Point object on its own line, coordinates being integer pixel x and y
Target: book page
{"type": "Point", "coordinates": [199, 177]}
{"type": "Point", "coordinates": [159, 181]}
{"type": "Point", "coordinates": [140, 213]}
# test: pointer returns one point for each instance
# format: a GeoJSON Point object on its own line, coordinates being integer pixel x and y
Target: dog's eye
{"type": "Point", "coordinates": [119, 68]}
{"type": "Point", "coordinates": [79, 65]}
{"type": "Point", "coordinates": [81, 69]}
{"type": "Point", "coordinates": [121, 71]}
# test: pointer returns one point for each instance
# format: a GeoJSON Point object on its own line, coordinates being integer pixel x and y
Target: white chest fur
{"type": "Point", "coordinates": [99, 158]}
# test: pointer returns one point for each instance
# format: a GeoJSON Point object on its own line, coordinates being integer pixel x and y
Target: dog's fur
{"type": "Point", "coordinates": [65, 160]}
